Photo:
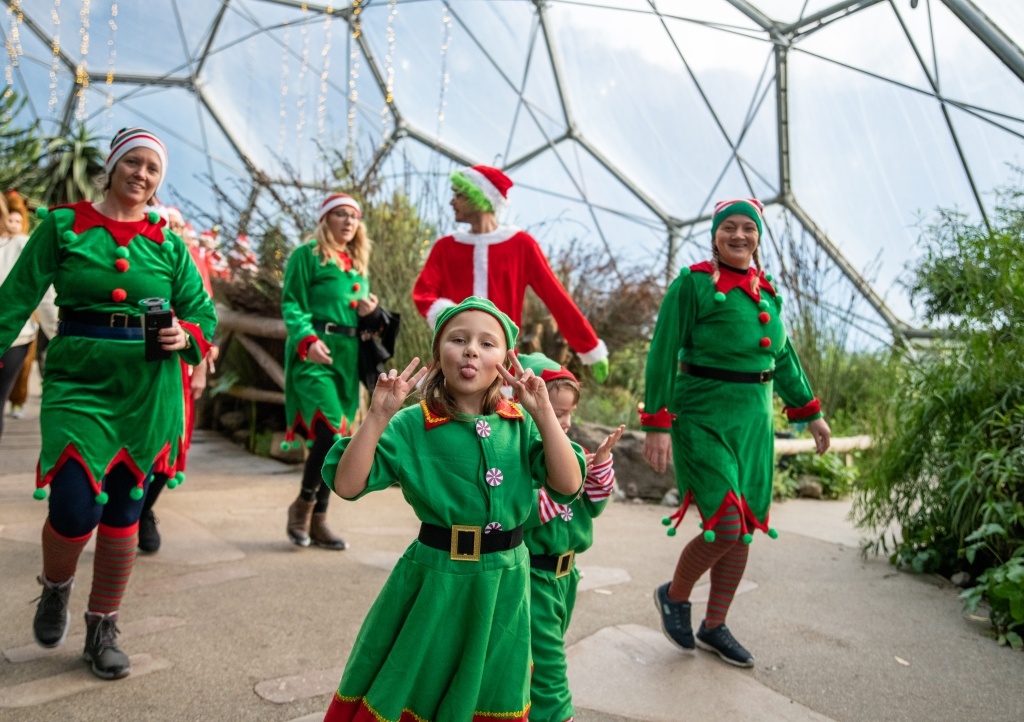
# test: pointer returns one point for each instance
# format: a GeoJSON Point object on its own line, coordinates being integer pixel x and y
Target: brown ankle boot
{"type": "Point", "coordinates": [322, 536]}
{"type": "Point", "coordinates": [299, 514]}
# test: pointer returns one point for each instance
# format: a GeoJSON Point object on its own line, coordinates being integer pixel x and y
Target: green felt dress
{"type": "Point", "coordinates": [449, 640]}
{"type": "Point", "coordinates": [103, 403]}
{"type": "Point", "coordinates": [723, 439]}
{"type": "Point", "coordinates": [553, 530]}
{"type": "Point", "coordinates": [315, 292]}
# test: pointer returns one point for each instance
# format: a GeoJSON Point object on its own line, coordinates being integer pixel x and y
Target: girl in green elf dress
{"type": "Point", "coordinates": [448, 639]}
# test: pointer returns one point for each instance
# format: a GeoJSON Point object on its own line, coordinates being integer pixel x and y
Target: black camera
{"type": "Point", "coordinates": [156, 314]}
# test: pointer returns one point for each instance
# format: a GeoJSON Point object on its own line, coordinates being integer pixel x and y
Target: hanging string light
{"type": "Point", "coordinates": [111, 57]}
{"type": "Point", "coordinates": [81, 72]}
{"type": "Point", "coordinates": [321, 101]}
{"type": "Point", "coordinates": [300, 104]}
{"type": "Point", "coordinates": [353, 79]}
{"type": "Point", "coordinates": [282, 112]}
{"type": "Point", "coordinates": [389, 66]}
{"type": "Point", "coordinates": [55, 60]}
{"type": "Point", "coordinates": [446, 31]}
{"type": "Point", "coordinates": [14, 50]}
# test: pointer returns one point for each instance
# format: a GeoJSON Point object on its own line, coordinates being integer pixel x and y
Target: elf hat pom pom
{"type": "Point", "coordinates": [485, 186]}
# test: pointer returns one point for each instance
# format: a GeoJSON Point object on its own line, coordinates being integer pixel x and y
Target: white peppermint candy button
{"type": "Point", "coordinates": [483, 429]}
{"type": "Point", "coordinates": [494, 477]}
{"type": "Point", "coordinates": [493, 526]}
{"type": "Point", "coordinates": [565, 513]}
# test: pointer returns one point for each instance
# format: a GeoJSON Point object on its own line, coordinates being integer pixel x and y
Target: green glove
{"type": "Point", "coordinates": [600, 370]}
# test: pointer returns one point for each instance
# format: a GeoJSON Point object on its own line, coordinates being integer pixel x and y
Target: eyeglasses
{"type": "Point", "coordinates": [346, 216]}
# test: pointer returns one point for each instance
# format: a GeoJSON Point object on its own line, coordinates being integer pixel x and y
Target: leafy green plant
{"type": "Point", "coordinates": [70, 165]}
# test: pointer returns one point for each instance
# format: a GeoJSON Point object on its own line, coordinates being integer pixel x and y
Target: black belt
{"type": "Point", "coordinates": [334, 329]}
{"type": "Point", "coordinates": [104, 320]}
{"type": "Point", "coordinates": [561, 564]}
{"type": "Point", "coordinates": [467, 543]}
{"type": "Point", "coordinates": [739, 377]}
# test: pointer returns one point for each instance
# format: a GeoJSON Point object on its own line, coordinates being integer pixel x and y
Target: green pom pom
{"type": "Point", "coordinates": [172, 483]}
{"type": "Point", "coordinates": [338, 437]}
{"type": "Point", "coordinates": [685, 271]}
{"type": "Point", "coordinates": [768, 277]}
{"type": "Point", "coordinates": [285, 445]}
{"type": "Point", "coordinates": [136, 493]}
{"type": "Point", "coordinates": [153, 216]}
{"type": "Point", "coordinates": [297, 444]}
{"type": "Point", "coordinates": [665, 521]}
{"type": "Point", "coordinates": [309, 443]}
{"type": "Point", "coordinates": [778, 299]}
{"type": "Point", "coordinates": [773, 533]}
{"type": "Point", "coordinates": [763, 304]}
{"type": "Point", "coordinates": [700, 525]}
{"type": "Point", "coordinates": [39, 494]}
{"type": "Point", "coordinates": [709, 536]}
{"type": "Point", "coordinates": [747, 538]}
{"type": "Point", "coordinates": [42, 212]}
{"type": "Point", "coordinates": [122, 252]}
{"type": "Point", "coordinates": [69, 236]}
{"type": "Point", "coordinates": [671, 531]}
{"type": "Point", "coordinates": [102, 498]}
{"type": "Point", "coordinates": [167, 246]}
{"type": "Point", "coordinates": [719, 297]}
{"type": "Point", "coordinates": [180, 476]}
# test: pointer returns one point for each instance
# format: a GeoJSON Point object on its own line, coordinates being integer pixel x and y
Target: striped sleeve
{"type": "Point", "coordinates": [600, 481]}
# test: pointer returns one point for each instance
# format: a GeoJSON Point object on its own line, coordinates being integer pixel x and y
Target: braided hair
{"type": "Point", "coordinates": [755, 281]}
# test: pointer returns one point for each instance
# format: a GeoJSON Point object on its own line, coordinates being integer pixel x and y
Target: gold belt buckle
{"type": "Point", "coordinates": [329, 328]}
{"type": "Point", "coordinates": [766, 376]}
{"type": "Point", "coordinates": [477, 532]}
{"type": "Point", "coordinates": [564, 565]}
{"type": "Point", "coordinates": [122, 324]}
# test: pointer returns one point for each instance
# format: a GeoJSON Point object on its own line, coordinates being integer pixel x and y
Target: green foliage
{"type": "Point", "coordinates": [943, 486]}
{"type": "Point", "coordinates": [70, 166]}
{"type": "Point", "coordinates": [20, 146]}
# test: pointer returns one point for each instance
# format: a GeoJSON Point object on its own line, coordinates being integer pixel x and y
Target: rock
{"type": "Point", "coordinates": [808, 486]}
{"type": "Point", "coordinates": [233, 420]}
{"type": "Point", "coordinates": [961, 579]}
{"type": "Point", "coordinates": [671, 498]}
{"type": "Point", "coordinates": [240, 436]}
{"type": "Point", "coordinates": [632, 472]}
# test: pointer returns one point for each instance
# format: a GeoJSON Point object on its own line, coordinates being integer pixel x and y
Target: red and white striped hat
{"type": "Point", "coordinates": [337, 200]}
{"type": "Point", "coordinates": [490, 181]}
{"type": "Point", "coordinates": [128, 138]}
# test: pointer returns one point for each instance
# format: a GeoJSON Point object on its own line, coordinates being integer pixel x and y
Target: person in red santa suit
{"type": "Point", "coordinates": [498, 262]}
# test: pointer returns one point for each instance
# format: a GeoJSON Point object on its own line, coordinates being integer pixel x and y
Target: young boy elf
{"type": "Point", "coordinates": [554, 535]}
{"type": "Point", "coordinates": [448, 637]}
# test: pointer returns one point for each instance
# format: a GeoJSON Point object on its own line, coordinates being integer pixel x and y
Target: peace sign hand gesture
{"type": "Point", "coordinates": [393, 388]}
{"type": "Point", "coordinates": [528, 387]}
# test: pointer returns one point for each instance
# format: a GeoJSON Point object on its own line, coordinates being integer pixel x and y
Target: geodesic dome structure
{"type": "Point", "coordinates": [621, 122]}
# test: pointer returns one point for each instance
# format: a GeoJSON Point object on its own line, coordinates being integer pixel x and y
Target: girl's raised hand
{"type": "Point", "coordinates": [604, 451]}
{"type": "Point", "coordinates": [393, 387]}
{"type": "Point", "coordinates": [529, 388]}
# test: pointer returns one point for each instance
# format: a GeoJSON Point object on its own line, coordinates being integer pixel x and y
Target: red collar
{"type": "Point", "coordinates": [87, 217]}
{"type": "Point", "coordinates": [729, 279]}
{"type": "Point", "coordinates": [505, 410]}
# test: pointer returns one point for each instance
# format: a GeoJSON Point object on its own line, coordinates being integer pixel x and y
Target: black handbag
{"type": "Point", "coordinates": [377, 334]}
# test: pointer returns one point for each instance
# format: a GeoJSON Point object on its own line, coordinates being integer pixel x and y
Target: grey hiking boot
{"type": "Point", "coordinates": [108, 660]}
{"type": "Point", "coordinates": [50, 626]}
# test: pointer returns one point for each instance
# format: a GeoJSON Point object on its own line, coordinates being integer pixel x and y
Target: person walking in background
{"type": "Point", "coordinates": [498, 263]}
{"type": "Point", "coordinates": [109, 416]}
{"type": "Point", "coordinates": [718, 352]}
{"type": "Point", "coordinates": [326, 296]}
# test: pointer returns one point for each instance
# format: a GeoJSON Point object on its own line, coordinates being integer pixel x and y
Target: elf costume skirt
{"type": "Point", "coordinates": [328, 392]}
{"type": "Point", "coordinates": [446, 641]}
{"type": "Point", "coordinates": [723, 447]}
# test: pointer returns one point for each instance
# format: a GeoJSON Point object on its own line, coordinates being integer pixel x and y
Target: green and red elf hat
{"type": "Point", "coordinates": [749, 207]}
{"type": "Point", "coordinates": [127, 139]}
{"type": "Point", "coordinates": [485, 186]}
{"type": "Point", "coordinates": [545, 368]}
{"type": "Point", "coordinates": [339, 200]}
{"type": "Point", "coordinates": [476, 303]}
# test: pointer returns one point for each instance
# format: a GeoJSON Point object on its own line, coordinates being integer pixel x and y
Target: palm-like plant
{"type": "Point", "coordinates": [69, 167]}
{"type": "Point", "coordinates": [20, 146]}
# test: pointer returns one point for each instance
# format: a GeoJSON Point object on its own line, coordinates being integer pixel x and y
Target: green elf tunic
{"type": "Point", "coordinates": [722, 436]}
{"type": "Point", "coordinates": [103, 403]}
{"type": "Point", "coordinates": [447, 640]}
{"type": "Point", "coordinates": [555, 530]}
{"type": "Point", "coordinates": [316, 294]}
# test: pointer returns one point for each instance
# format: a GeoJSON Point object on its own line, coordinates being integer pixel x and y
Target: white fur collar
{"type": "Point", "coordinates": [498, 235]}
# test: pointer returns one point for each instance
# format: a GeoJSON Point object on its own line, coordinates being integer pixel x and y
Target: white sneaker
{"type": "Point", "coordinates": [17, 411]}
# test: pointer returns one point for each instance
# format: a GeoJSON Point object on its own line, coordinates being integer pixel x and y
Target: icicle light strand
{"type": "Point", "coordinates": [82, 72]}
{"type": "Point", "coordinates": [321, 101]}
{"type": "Point", "coordinates": [282, 112]}
{"type": "Point", "coordinates": [389, 64]}
{"type": "Point", "coordinates": [111, 58]}
{"type": "Point", "coordinates": [55, 60]}
{"type": "Point", "coordinates": [353, 80]}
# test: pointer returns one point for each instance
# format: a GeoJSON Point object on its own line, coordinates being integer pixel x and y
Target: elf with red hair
{"type": "Point", "coordinates": [498, 262]}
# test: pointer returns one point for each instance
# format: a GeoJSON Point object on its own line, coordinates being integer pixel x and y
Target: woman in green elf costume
{"type": "Point", "coordinates": [326, 301]}
{"type": "Point", "coordinates": [718, 353]}
{"type": "Point", "coordinates": [449, 635]}
{"type": "Point", "coordinates": [110, 416]}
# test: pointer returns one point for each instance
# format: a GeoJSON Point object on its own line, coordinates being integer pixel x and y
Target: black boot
{"type": "Point", "coordinates": [149, 537]}
{"type": "Point", "coordinates": [108, 660]}
{"type": "Point", "coordinates": [50, 626]}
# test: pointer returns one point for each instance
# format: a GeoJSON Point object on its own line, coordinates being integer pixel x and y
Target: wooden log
{"type": "Point", "coordinates": [250, 394]}
{"type": "Point", "coordinates": [265, 361]}
{"type": "Point", "coordinates": [229, 320]}
{"type": "Point", "coordinates": [839, 445]}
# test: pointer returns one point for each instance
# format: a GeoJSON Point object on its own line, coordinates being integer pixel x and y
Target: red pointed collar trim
{"type": "Point", "coordinates": [508, 410]}
{"type": "Point", "coordinates": [87, 217]}
{"type": "Point", "coordinates": [430, 421]}
{"type": "Point", "coordinates": [504, 409]}
{"type": "Point", "coordinates": [729, 279]}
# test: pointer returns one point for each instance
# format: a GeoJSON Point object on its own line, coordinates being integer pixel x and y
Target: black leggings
{"type": "Point", "coordinates": [73, 508]}
{"type": "Point", "coordinates": [313, 486]}
{"type": "Point", "coordinates": [12, 362]}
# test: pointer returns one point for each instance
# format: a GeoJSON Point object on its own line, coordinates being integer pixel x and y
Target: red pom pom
{"type": "Point", "coordinates": [121, 264]}
{"type": "Point", "coordinates": [763, 317]}
{"type": "Point", "coordinates": [353, 304]}
{"type": "Point", "coordinates": [118, 294]}
{"type": "Point", "coordinates": [766, 342]}
{"type": "Point", "coordinates": [355, 286]}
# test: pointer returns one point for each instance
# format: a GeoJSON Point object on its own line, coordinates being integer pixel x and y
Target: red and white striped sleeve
{"type": "Point", "coordinates": [600, 480]}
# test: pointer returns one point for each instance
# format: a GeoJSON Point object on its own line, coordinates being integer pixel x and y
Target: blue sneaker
{"type": "Point", "coordinates": [720, 641]}
{"type": "Point", "coordinates": [675, 618]}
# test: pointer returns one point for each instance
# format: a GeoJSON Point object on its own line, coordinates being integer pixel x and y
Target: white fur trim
{"type": "Point", "coordinates": [436, 307]}
{"type": "Point", "coordinates": [492, 194]}
{"type": "Point", "coordinates": [598, 353]}
{"type": "Point", "coordinates": [498, 235]}
{"type": "Point", "coordinates": [480, 257]}
{"type": "Point", "coordinates": [337, 203]}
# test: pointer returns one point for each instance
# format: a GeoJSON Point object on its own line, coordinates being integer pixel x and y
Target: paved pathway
{"type": "Point", "coordinates": [230, 622]}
